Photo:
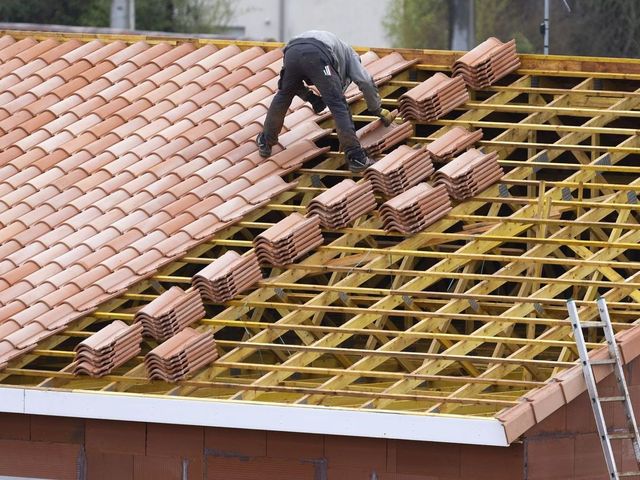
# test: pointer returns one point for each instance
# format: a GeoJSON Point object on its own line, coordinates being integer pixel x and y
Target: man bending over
{"type": "Point", "coordinates": [320, 58]}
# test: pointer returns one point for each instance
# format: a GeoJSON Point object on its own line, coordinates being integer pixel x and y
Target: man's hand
{"type": "Point", "coordinates": [386, 116]}
{"type": "Point", "coordinates": [316, 102]}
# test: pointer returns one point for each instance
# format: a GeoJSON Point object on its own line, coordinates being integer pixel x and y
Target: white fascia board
{"type": "Point", "coordinates": [12, 400]}
{"type": "Point", "coordinates": [253, 415]}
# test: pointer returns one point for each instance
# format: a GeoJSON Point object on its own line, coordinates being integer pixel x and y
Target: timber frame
{"type": "Point", "coordinates": [463, 319]}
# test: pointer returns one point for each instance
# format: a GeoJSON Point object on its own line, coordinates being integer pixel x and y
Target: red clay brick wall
{"type": "Point", "coordinates": [64, 448]}
{"type": "Point", "coordinates": [565, 445]}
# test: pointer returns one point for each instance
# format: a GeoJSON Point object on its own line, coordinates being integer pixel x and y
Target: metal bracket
{"type": "Point", "coordinates": [344, 298]}
{"type": "Point", "coordinates": [315, 181]}
{"type": "Point", "coordinates": [603, 160]}
{"type": "Point", "coordinates": [280, 293]}
{"type": "Point", "coordinates": [535, 81]}
{"type": "Point", "coordinates": [473, 303]}
{"type": "Point", "coordinates": [566, 194]}
{"type": "Point", "coordinates": [538, 308]}
{"type": "Point", "coordinates": [632, 197]}
{"type": "Point", "coordinates": [503, 190]}
{"type": "Point", "coordinates": [542, 158]}
{"type": "Point", "coordinates": [408, 301]}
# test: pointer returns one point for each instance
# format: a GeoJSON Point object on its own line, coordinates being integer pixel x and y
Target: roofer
{"type": "Point", "coordinates": [320, 58]}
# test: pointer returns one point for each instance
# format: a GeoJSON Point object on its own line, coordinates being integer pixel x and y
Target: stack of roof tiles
{"type": "Point", "coordinates": [487, 63]}
{"type": "Point", "coordinates": [444, 148]}
{"type": "Point", "coordinates": [227, 276]}
{"type": "Point", "coordinates": [343, 203]}
{"type": "Point", "coordinates": [399, 170]}
{"type": "Point", "coordinates": [469, 174]}
{"type": "Point", "coordinates": [181, 356]}
{"type": "Point", "coordinates": [433, 98]}
{"type": "Point", "coordinates": [375, 137]}
{"type": "Point", "coordinates": [171, 312]}
{"type": "Point", "coordinates": [415, 209]}
{"type": "Point", "coordinates": [107, 349]}
{"type": "Point", "coordinates": [288, 240]}
{"type": "Point", "coordinates": [116, 159]}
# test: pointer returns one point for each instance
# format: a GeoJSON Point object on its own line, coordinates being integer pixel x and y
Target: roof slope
{"type": "Point", "coordinates": [393, 335]}
{"type": "Point", "coordinates": [113, 163]}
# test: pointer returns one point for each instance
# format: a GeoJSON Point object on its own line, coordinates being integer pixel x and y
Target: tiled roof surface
{"type": "Point", "coordinates": [115, 159]}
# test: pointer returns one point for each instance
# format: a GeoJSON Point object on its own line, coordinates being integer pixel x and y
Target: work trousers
{"type": "Point", "coordinates": [306, 62]}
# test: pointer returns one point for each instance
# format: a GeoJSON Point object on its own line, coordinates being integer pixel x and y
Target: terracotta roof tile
{"type": "Point", "coordinates": [170, 313]}
{"type": "Point", "coordinates": [343, 203]}
{"type": "Point", "coordinates": [415, 209]}
{"type": "Point", "coordinates": [126, 54]}
{"type": "Point", "coordinates": [5, 41]}
{"type": "Point", "coordinates": [27, 55]}
{"type": "Point", "coordinates": [227, 276]}
{"type": "Point", "coordinates": [469, 174]}
{"type": "Point", "coordinates": [181, 356]}
{"type": "Point", "coordinates": [388, 65]}
{"type": "Point", "coordinates": [147, 55]}
{"type": "Point", "coordinates": [288, 240]}
{"type": "Point", "coordinates": [81, 52]}
{"type": "Point", "coordinates": [15, 48]}
{"type": "Point", "coordinates": [400, 170]}
{"type": "Point", "coordinates": [433, 98]}
{"type": "Point", "coordinates": [107, 349]}
{"type": "Point", "coordinates": [453, 142]}
{"type": "Point", "coordinates": [375, 137]}
{"type": "Point", "coordinates": [241, 58]}
{"type": "Point", "coordinates": [487, 63]}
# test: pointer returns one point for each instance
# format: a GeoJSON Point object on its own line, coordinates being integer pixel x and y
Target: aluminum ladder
{"type": "Point", "coordinates": [596, 401]}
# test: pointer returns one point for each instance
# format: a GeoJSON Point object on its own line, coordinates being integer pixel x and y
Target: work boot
{"type": "Point", "coordinates": [358, 160]}
{"type": "Point", "coordinates": [263, 147]}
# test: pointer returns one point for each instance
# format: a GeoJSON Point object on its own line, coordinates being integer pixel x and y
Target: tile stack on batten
{"type": "Point", "coordinates": [487, 63]}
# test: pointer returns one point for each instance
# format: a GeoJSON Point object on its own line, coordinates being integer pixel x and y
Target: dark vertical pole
{"type": "Point", "coordinates": [281, 20]}
{"type": "Point", "coordinates": [460, 18]}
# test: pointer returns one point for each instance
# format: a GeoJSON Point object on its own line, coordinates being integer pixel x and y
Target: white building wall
{"type": "Point", "coordinates": [357, 22]}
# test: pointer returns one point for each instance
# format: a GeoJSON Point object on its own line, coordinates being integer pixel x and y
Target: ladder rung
{"type": "Point", "coordinates": [611, 399]}
{"type": "Point", "coordinates": [629, 474]}
{"type": "Point", "coordinates": [608, 361]}
{"type": "Point", "coordinates": [619, 436]}
{"type": "Point", "coordinates": [592, 324]}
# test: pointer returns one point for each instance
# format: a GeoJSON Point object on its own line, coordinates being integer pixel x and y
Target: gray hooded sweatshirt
{"type": "Point", "coordinates": [347, 63]}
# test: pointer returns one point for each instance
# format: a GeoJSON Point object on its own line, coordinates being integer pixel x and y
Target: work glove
{"type": "Point", "coordinates": [316, 102]}
{"type": "Point", "coordinates": [386, 116]}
